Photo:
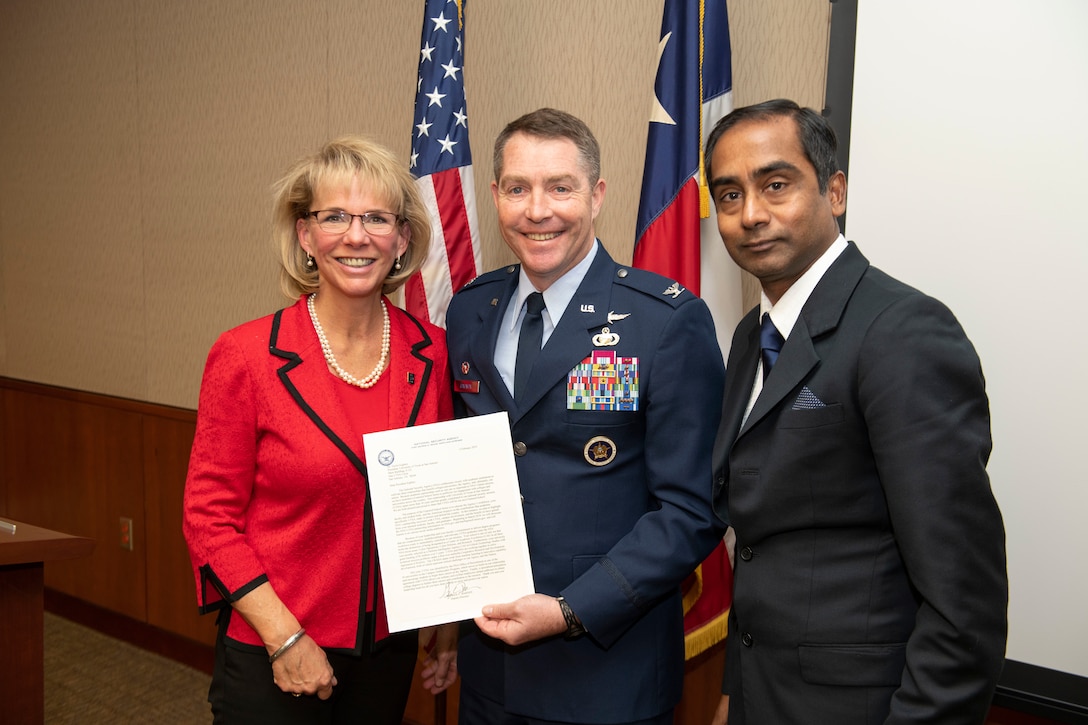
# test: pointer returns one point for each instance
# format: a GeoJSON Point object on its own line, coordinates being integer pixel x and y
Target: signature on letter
{"type": "Point", "coordinates": [456, 590]}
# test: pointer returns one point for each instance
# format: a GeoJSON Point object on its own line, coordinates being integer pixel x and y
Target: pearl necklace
{"type": "Point", "coordinates": [370, 380]}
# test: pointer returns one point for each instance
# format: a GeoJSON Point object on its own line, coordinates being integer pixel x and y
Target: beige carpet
{"type": "Point", "coordinates": [92, 678]}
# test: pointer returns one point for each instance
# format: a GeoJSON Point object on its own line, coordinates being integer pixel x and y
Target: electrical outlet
{"type": "Point", "coordinates": [126, 533]}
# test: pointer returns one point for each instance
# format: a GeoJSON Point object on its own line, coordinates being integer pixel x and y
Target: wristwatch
{"type": "Point", "coordinates": [574, 626]}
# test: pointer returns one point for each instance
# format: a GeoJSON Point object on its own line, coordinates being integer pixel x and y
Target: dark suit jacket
{"type": "Point", "coordinates": [276, 489]}
{"type": "Point", "coordinates": [614, 528]}
{"type": "Point", "coordinates": [870, 569]}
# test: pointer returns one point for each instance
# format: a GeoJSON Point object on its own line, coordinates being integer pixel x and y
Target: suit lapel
{"type": "Point", "coordinates": [483, 343]}
{"type": "Point", "coordinates": [820, 316]}
{"type": "Point", "coordinates": [789, 371]}
{"type": "Point", "coordinates": [410, 367]}
{"type": "Point", "coordinates": [306, 377]}
{"type": "Point", "coordinates": [743, 360]}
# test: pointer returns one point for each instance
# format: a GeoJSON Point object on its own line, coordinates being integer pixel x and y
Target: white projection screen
{"type": "Point", "coordinates": [967, 140]}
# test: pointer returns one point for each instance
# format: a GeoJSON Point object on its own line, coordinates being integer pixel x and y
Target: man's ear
{"type": "Point", "coordinates": [836, 193]}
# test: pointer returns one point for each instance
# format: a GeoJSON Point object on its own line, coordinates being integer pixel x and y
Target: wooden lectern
{"type": "Point", "coordinates": [22, 563]}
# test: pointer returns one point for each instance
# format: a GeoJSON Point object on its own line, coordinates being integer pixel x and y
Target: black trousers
{"type": "Point", "coordinates": [475, 709]}
{"type": "Point", "coordinates": [372, 689]}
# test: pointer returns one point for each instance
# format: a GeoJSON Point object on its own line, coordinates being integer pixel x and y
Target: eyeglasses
{"type": "Point", "coordinates": [337, 221]}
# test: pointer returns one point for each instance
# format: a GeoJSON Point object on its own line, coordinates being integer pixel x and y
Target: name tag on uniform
{"type": "Point", "coordinates": [603, 381]}
{"type": "Point", "coordinates": [466, 386]}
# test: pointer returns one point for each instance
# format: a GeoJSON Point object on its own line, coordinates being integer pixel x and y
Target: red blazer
{"type": "Point", "coordinates": [276, 489]}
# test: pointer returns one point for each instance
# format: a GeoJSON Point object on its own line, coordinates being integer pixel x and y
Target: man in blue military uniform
{"type": "Point", "coordinates": [612, 379]}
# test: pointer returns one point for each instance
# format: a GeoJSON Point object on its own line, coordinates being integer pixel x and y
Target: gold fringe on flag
{"type": "Point", "coordinates": [704, 189]}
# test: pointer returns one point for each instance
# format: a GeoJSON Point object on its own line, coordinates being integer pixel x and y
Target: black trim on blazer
{"type": "Point", "coordinates": [428, 363]}
{"type": "Point", "coordinates": [293, 361]}
{"type": "Point", "coordinates": [365, 633]}
{"type": "Point", "coordinates": [207, 575]}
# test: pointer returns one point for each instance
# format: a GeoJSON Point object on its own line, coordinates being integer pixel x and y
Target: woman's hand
{"type": "Point", "coordinates": [304, 670]}
{"type": "Point", "coordinates": [440, 666]}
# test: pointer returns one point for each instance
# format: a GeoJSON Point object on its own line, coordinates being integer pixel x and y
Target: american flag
{"type": "Point", "coordinates": [442, 163]}
{"type": "Point", "coordinates": [677, 236]}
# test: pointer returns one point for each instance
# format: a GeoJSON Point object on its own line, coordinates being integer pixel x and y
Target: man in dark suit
{"type": "Point", "coordinates": [870, 582]}
{"type": "Point", "coordinates": [612, 428]}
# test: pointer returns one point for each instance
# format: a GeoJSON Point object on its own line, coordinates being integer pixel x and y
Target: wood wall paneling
{"type": "Point", "coordinates": [171, 598]}
{"type": "Point", "coordinates": [76, 467]}
{"type": "Point", "coordinates": [77, 462]}
{"type": "Point", "coordinates": [3, 452]}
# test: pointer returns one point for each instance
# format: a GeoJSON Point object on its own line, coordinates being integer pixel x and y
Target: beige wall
{"type": "Point", "coordinates": [139, 139]}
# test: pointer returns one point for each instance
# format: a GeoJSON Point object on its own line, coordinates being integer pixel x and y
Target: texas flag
{"type": "Point", "coordinates": [442, 163]}
{"type": "Point", "coordinates": [676, 233]}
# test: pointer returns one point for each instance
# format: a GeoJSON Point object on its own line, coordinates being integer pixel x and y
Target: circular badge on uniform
{"type": "Point", "coordinates": [600, 451]}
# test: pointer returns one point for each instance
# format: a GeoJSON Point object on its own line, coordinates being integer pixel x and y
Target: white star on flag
{"type": "Point", "coordinates": [442, 163]}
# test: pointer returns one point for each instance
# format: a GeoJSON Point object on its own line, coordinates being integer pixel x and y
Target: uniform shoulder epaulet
{"type": "Point", "coordinates": [653, 285]}
{"type": "Point", "coordinates": [494, 275]}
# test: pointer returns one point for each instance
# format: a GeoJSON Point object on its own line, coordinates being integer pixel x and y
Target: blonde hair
{"type": "Point", "coordinates": [335, 165]}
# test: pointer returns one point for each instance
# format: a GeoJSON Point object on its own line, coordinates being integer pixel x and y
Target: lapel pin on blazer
{"type": "Point", "coordinates": [466, 386]}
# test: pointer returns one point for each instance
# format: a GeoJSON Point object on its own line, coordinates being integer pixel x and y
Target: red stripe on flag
{"type": "Point", "coordinates": [671, 245]}
{"type": "Point", "coordinates": [455, 226]}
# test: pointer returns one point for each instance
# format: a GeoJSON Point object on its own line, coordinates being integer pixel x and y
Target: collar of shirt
{"type": "Point", "coordinates": [556, 297]}
{"type": "Point", "coordinates": [784, 314]}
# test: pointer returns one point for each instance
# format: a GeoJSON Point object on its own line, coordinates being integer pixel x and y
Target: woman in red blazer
{"type": "Point", "coordinates": [277, 511]}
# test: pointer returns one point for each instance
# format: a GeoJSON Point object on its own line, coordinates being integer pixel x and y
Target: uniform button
{"type": "Point", "coordinates": [622, 273]}
{"type": "Point", "coordinates": [746, 639]}
{"type": "Point", "coordinates": [746, 553]}
{"type": "Point", "coordinates": [520, 448]}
